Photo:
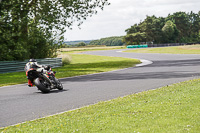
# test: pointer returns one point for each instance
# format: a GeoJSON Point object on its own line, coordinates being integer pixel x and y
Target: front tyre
{"type": "Point", "coordinates": [42, 85]}
{"type": "Point", "coordinates": [59, 85]}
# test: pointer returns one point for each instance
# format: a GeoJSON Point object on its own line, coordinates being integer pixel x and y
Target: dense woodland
{"type": "Point", "coordinates": [180, 27]}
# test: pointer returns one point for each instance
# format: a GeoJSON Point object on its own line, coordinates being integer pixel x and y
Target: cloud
{"type": "Point", "coordinates": [121, 14]}
{"type": "Point", "coordinates": [170, 2]}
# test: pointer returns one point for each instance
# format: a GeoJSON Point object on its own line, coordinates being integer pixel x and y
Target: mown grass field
{"type": "Point", "coordinates": [88, 64]}
{"type": "Point", "coordinates": [170, 109]}
{"type": "Point", "coordinates": [189, 49]}
{"type": "Point", "coordinates": [80, 65]}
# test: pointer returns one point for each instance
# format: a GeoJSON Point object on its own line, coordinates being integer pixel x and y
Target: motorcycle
{"type": "Point", "coordinates": [45, 82]}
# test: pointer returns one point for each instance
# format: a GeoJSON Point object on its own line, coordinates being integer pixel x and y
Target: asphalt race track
{"type": "Point", "coordinates": [19, 103]}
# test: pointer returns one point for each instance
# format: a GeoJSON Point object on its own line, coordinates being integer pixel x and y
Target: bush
{"type": "Point", "coordinates": [66, 59]}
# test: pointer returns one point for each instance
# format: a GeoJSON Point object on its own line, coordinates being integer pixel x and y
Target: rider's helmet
{"type": "Point", "coordinates": [32, 60]}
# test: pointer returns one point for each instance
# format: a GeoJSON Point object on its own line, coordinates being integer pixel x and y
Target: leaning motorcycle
{"type": "Point", "coordinates": [45, 81]}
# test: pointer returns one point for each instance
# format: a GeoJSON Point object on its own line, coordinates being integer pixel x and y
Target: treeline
{"type": "Point", "coordinates": [109, 41]}
{"type": "Point", "coordinates": [76, 42]}
{"type": "Point", "coordinates": [180, 27]}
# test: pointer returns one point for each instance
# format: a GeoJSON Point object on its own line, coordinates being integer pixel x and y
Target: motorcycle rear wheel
{"type": "Point", "coordinates": [42, 86]}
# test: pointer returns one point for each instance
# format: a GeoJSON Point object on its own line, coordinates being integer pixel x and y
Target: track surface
{"type": "Point", "coordinates": [20, 103]}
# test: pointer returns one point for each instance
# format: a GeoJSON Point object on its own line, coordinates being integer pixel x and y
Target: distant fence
{"type": "Point", "coordinates": [17, 66]}
{"type": "Point", "coordinates": [170, 44]}
{"type": "Point", "coordinates": [163, 45]}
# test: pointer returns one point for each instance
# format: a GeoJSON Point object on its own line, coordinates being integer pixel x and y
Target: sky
{"type": "Point", "coordinates": [122, 14]}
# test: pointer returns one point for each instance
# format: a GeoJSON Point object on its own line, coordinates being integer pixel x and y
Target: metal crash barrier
{"type": "Point", "coordinates": [17, 66]}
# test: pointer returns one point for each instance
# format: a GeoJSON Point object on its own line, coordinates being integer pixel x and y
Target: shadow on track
{"type": "Point", "coordinates": [52, 91]}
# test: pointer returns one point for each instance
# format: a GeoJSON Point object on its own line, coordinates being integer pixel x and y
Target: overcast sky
{"type": "Point", "coordinates": [122, 14]}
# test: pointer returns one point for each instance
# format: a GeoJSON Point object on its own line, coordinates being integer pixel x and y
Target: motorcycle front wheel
{"type": "Point", "coordinates": [59, 85]}
{"type": "Point", "coordinates": [42, 85]}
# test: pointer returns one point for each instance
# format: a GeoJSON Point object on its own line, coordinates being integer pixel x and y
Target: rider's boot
{"type": "Point", "coordinates": [30, 84]}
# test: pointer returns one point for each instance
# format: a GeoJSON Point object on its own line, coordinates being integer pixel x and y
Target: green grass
{"type": "Point", "coordinates": [83, 49]}
{"type": "Point", "coordinates": [191, 49]}
{"type": "Point", "coordinates": [88, 64]}
{"type": "Point", "coordinates": [81, 65]}
{"type": "Point", "coordinates": [170, 109]}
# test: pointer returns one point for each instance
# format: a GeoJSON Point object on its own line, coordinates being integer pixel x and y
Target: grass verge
{"type": "Point", "coordinates": [173, 109]}
{"type": "Point", "coordinates": [191, 49]}
{"type": "Point", "coordinates": [80, 65]}
{"type": "Point", "coordinates": [91, 48]}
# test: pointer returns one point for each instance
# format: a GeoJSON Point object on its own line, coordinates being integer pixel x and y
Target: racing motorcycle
{"type": "Point", "coordinates": [45, 82]}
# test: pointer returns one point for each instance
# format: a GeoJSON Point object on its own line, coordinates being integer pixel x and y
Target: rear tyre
{"type": "Point", "coordinates": [42, 86]}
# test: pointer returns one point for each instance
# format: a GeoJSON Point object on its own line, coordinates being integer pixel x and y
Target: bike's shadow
{"type": "Point", "coordinates": [53, 91]}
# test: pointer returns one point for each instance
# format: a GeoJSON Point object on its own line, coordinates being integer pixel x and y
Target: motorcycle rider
{"type": "Point", "coordinates": [32, 64]}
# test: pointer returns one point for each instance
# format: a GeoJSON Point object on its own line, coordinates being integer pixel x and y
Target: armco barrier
{"type": "Point", "coordinates": [16, 66]}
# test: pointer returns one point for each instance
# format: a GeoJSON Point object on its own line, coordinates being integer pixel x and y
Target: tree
{"type": "Point", "coordinates": [147, 27]}
{"type": "Point", "coordinates": [133, 29]}
{"type": "Point", "coordinates": [151, 26]}
{"type": "Point", "coordinates": [181, 20]}
{"type": "Point", "coordinates": [170, 31]}
{"type": "Point", "coordinates": [135, 38]}
{"type": "Point", "coordinates": [80, 44]}
{"type": "Point", "coordinates": [194, 30]}
{"type": "Point", "coordinates": [22, 19]}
